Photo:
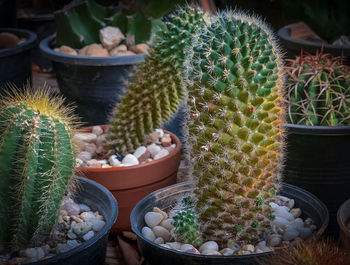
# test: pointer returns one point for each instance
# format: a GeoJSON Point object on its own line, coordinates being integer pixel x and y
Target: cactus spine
{"type": "Point", "coordinates": [157, 88]}
{"type": "Point", "coordinates": [37, 163]}
{"type": "Point", "coordinates": [234, 77]}
{"type": "Point", "coordinates": [318, 91]}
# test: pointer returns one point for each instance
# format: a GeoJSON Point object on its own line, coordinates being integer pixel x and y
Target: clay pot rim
{"type": "Point", "coordinates": [101, 170]}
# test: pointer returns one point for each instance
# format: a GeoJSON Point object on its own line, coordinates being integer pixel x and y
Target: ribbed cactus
{"type": "Point", "coordinates": [157, 88]}
{"type": "Point", "coordinates": [234, 77]}
{"type": "Point", "coordinates": [186, 223]}
{"type": "Point", "coordinates": [37, 163]}
{"type": "Point", "coordinates": [318, 91]}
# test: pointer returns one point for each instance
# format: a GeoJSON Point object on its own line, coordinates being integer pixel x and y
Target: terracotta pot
{"type": "Point", "coordinates": [130, 184]}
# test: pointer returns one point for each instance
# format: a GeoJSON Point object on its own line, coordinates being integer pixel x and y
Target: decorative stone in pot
{"type": "Point", "coordinates": [343, 218]}
{"type": "Point", "coordinates": [166, 198]}
{"type": "Point", "coordinates": [129, 184]}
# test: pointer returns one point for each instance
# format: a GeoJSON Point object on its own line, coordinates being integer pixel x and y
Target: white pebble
{"type": "Point", "coordinates": [130, 160]}
{"type": "Point", "coordinates": [274, 240]}
{"type": "Point", "coordinates": [113, 161]}
{"type": "Point", "coordinates": [84, 208]}
{"type": "Point", "coordinates": [282, 212]}
{"type": "Point", "coordinates": [160, 231]}
{"type": "Point", "coordinates": [160, 133]}
{"type": "Point", "coordinates": [280, 222]}
{"type": "Point", "coordinates": [84, 137]}
{"type": "Point", "coordinates": [90, 147]}
{"type": "Point", "coordinates": [148, 233]}
{"type": "Point", "coordinates": [227, 251]}
{"type": "Point", "coordinates": [296, 212]}
{"type": "Point", "coordinates": [261, 244]}
{"type": "Point", "coordinates": [174, 245]}
{"type": "Point", "coordinates": [86, 216]}
{"type": "Point", "coordinates": [210, 252]}
{"type": "Point", "coordinates": [296, 224]}
{"type": "Point", "coordinates": [152, 219]}
{"type": "Point", "coordinates": [85, 156]}
{"type": "Point", "coordinates": [154, 149]}
{"type": "Point", "coordinates": [193, 251]}
{"type": "Point", "coordinates": [159, 240]}
{"type": "Point", "coordinates": [185, 247]}
{"type": "Point", "coordinates": [140, 151]}
{"type": "Point", "coordinates": [290, 234]}
{"type": "Point", "coordinates": [88, 235]}
{"type": "Point", "coordinates": [162, 153]}
{"type": "Point", "coordinates": [173, 146]}
{"type": "Point", "coordinates": [101, 140]}
{"type": "Point", "coordinates": [78, 162]}
{"type": "Point", "coordinates": [290, 203]}
{"type": "Point", "coordinates": [273, 205]}
{"type": "Point", "coordinates": [97, 225]}
{"type": "Point", "coordinates": [30, 252]}
{"type": "Point", "coordinates": [168, 224]}
{"type": "Point", "coordinates": [209, 245]}
{"type": "Point", "coordinates": [97, 130]}
{"type": "Point", "coordinates": [249, 248]}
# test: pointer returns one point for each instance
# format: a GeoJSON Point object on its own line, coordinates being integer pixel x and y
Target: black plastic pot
{"type": "Point", "coordinates": [94, 84]}
{"type": "Point", "coordinates": [93, 251]}
{"type": "Point", "coordinates": [343, 218]}
{"type": "Point", "coordinates": [318, 161]}
{"type": "Point", "coordinates": [15, 62]}
{"type": "Point", "coordinates": [166, 198]}
{"type": "Point", "coordinates": [294, 46]}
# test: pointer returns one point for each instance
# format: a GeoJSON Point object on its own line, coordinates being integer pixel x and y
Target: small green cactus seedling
{"type": "Point", "coordinates": [234, 77]}
{"type": "Point", "coordinates": [318, 91]}
{"type": "Point", "coordinates": [157, 88]}
{"type": "Point", "coordinates": [37, 163]}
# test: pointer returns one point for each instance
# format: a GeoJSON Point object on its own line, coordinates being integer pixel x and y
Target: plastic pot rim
{"type": "Point", "coordinates": [47, 51]}
{"type": "Point", "coordinates": [341, 222]}
{"type": "Point", "coordinates": [285, 34]}
{"type": "Point", "coordinates": [113, 217]}
{"type": "Point", "coordinates": [26, 45]}
{"type": "Point", "coordinates": [316, 130]}
{"type": "Point", "coordinates": [135, 230]}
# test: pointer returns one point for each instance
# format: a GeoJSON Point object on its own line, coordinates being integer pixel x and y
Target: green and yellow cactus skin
{"type": "Point", "coordinates": [37, 163]}
{"type": "Point", "coordinates": [157, 88]}
{"type": "Point", "coordinates": [235, 79]}
{"type": "Point", "coordinates": [318, 91]}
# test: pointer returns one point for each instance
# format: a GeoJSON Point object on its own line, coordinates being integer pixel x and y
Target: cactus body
{"type": "Point", "coordinates": [234, 78]}
{"type": "Point", "coordinates": [318, 92]}
{"type": "Point", "coordinates": [37, 163]}
{"type": "Point", "coordinates": [157, 88]}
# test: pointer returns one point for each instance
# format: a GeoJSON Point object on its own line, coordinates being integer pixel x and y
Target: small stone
{"type": "Point", "coordinates": [106, 166]}
{"type": "Point", "coordinates": [157, 210]}
{"type": "Point", "coordinates": [63, 212]}
{"type": "Point", "coordinates": [78, 162]}
{"type": "Point", "coordinates": [261, 249]}
{"type": "Point", "coordinates": [154, 149]}
{"type": "Point", "coordinates": [280, 222]}
{"type": "Point", "coordinates": [210, 252]}
{"type": "Point", "coordinates": [166, 140]}
{"type": "Point", "coordinates": [161, 154]}
{"type": "Point", "coordinates": [209, 245]}
{"type": "Point", "coordinates": [30, 252]}
{"type": "Point", "coordinates": [296, 212]}
{"type": "Point", "coordinates": [85, 137]}
{"type": "Point", "coordinates": [119, 49]}
{"type": "Point", "coordinates": [168, 224]}
{"type": "Point", "coordinates": [71, 208]}
{"type": "Point", "coordinates": [87, 216]}
{"type": "Point", "coordinates": [139, 48]}
{"type": "Point", "coordinates": [113, 161]}
{"type": "Point", "coordinates": [130, 160]}
{"type": "Point", "coordinates": [273, 205]}
{"type": "Point", "coordinates": [290, 203]}
{"type": "Point", "coordinates": [169, 149]}
{"type": "Point", "coordinates": [88, 235]}
{"type": "Point", "coordinates": [101, 140]}
{"type": "Point", "coordinates": [97, 130]}
{"type": "Point", "coordinates": [261, 244]}
{"type": "Point", "coordinates": [274, 240]}
{"type": "Point", "coordinates": [227, 252]}
{"type": "Point", "coordinates": [159, 240]}
{"type": "Point", "coordinates": [140, 151]}
{"type": "Point", "coordinates": [296, 224]}
{"type": "Point", "coordinates": [81, 228]}
{"type": "Point", "coordinates": [148, 233]}
{"type": "Point", "coordinates": [160, 133]}
{"type": "Point", "coordinates": [73, 243]}
{"type": "Point", "coordinates": [308, 221]}
{"type": "Point", "coordinates": [282, 212]}
{"type": "Point", "coordinates": [165, 246]}
{"type": "Point", "coordinates": [233, 245]}
{"type": "Point", "coordinates": [71, 235]}
{"type": "Point", "coordinates": [110, 37]}
{"type": "Point", "coordinates": [100, 149]}
{"type": "Point", "coordinates": [192, 251]}
{"type": "Point", "coordinates": [145, 156]}
{"type": "Point", "coordinates": [99, 217]}
{"type": "Point", "coordinates": [249, 248]}
{"type": "Point", "coordinates": [94, 50]}
{"type": "Point", "coordinates": [76, 219]}
{"type": "Point", "coordinates": [185, 247]}
{"type": "Point", "coordinates": [90, 147]}
{"type": "Point", "coordinates": [160, 231]}
{"type": "Point", "coordinates": [67, 50]}
{"type": "Point", "coordinates": [123, 53]}
{"type": "Point", "coordinates": [290, 234]}
{"type": "Point", "coordinates": [174, 245]}
{"type": "Point", "coordinates": [153, 138]}
{"type": "Point", "coordinates": [97, 225]}
{"type": "Point", "coordinates": [153, 219]}
{"type": "Point", "coordinates": [304, 232]}
{"type": "Point", "coordinates": [84, 208]}
{"type": "Point", "coordinates": [61, 248]}
{"type": "Point", "coordinates": [84, 156]}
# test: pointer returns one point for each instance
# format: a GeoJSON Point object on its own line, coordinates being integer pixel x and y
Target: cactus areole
{"type": "Point", "coordinates": [37, 163]}
{"type": "Point", "coordinates": [234, 79]}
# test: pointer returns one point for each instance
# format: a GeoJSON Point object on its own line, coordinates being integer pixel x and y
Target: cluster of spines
{"type": "Point", "coordinates": [157, 88]}
{"type": "Point", "coordinates": [234, 78]}
{"type": "Point", "coordinates": [37, 163]}
{"type": "Point", "coordinates": [318, 90]}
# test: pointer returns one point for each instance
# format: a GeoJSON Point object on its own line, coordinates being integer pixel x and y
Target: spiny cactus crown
{"type": "Point", "coordinates": [318, 91]}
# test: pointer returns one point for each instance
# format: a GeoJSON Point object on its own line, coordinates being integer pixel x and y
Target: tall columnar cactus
{"type": "Point", "coordinates": [37, 163]}
{"type": "Point", "coordinates": [234, 77]}
{"type": "Point", "coordinates": [318, 91]}
{"type": "Point", "coordinates": [157, 88]}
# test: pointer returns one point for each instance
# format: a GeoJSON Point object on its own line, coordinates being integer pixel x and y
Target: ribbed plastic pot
{"type": "Point", "coordinates": [166, 198]}
{"type": "Point", "coordinates": [294, 46]}
{"type": "Point", "coordinates": [15, 62]}
{"type": "Point", "coordinates": [130, 184]}
{"type": "Point", "coordinates": [93, 251]}
{"type": "Point", "coordinates": [317, 160]}
{"type": "Point", "coordinates": [343, 218]}
{"type": "Point", "coordinates": [93, 84]}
